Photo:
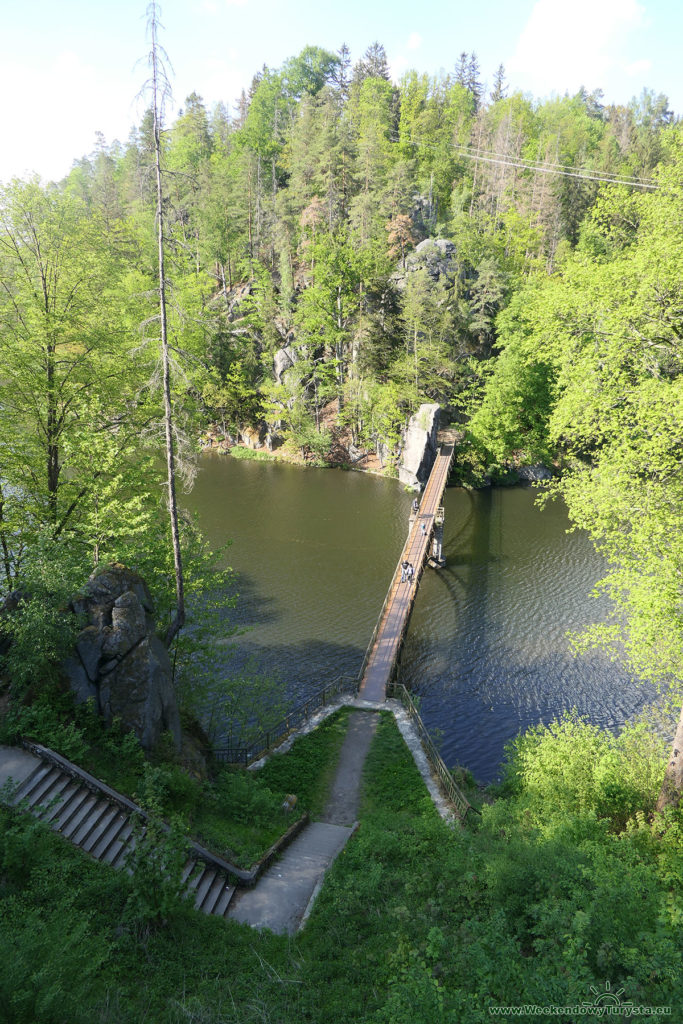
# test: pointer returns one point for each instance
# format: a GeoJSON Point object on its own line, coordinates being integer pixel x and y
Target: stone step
{"type": "Point", "coordinates": [113, 855]}
{"type": "Point", "coordinates": [90, 820]}
{"type": "Point", "coordinates": [54, 798]}
{"type": "Point", "coordinates": [190, 865]}
{"type": "Point", "coordinates": [70, 808]}
{"type": "Point", "coordinates": [216, 890]}
{"type": "Point", "coordinates": [37, 793]}
{"type": "Point", "coordinates": [101, 828]}
{"type": "Point", "coordinates": [223, 903]}
{"type": "Point", "coordinates": [28, 785]}
{"type": "Point", "coordinates": [116, 826]}
{"type": "Point", "coordinates": [59, 806]}
{"type": "Point", "coordinates": [202, 890]}
{"type": "Point", "coordinates": [121, 861]}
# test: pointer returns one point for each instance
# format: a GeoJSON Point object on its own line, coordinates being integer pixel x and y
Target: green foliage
{"type": "Point", "coordinates": [157, 860]}
{"type": "Point", "coordinates": [307, 768]}
{"type": "Point", "coordinates": [418, 920]}
{"type": "Point", "coordinates": [585, 769]}
{"type": "Point", "coordinates": [39, 632]}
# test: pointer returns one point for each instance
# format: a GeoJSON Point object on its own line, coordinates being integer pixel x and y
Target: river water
{"type": "Point", "coordinates": [486, 650]}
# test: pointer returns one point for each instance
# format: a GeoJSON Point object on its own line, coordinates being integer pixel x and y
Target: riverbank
{"type": "Point", "coordinates": [338, 457]}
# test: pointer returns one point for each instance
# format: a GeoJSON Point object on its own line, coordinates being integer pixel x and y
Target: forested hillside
{"type": "Point", "coordinates": [343, 244]}
{"type": "Point", "coordinates": [290, 222]}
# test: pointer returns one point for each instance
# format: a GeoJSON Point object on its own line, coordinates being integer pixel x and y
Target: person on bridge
{"type": "Point", "coordinates": [410, 572]}
{"type": "Point", "coordinates": [423, 528]}
{"type": "Point", "coordinates": [404, 571]}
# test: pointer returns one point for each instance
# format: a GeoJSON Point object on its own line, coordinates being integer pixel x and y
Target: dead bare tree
{"type": "Point", "coordinates": [160, 90]}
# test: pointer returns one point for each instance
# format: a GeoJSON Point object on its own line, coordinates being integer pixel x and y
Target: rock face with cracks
{"type": "Point", "coordinates": [420, 447]}
{"type": "Point", "coordinates": [119, 661]}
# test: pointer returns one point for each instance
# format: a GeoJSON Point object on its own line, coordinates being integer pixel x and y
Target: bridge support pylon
{"type": "Point", "coordinates": [436, 559]}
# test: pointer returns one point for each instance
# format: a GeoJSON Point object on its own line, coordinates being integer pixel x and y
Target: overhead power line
{"type": "Point", "coordinates": [563, 170]}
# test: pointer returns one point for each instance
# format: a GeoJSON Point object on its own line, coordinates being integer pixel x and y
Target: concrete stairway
{"type": "Point", "coordinates": [100, 821]}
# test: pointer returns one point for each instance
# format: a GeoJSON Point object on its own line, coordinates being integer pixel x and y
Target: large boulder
{"type": "Point", "coordinates": [119, 662]}
{"type": "Point", "coordinates": [438, 256]}
{"type": "Point", "coordinates": [419, 447]}
{"type": "Point", "coordinates": [534, 474]}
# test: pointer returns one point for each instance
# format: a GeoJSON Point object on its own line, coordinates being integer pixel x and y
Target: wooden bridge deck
{"type": "Point", "coordinates": [383, 656]}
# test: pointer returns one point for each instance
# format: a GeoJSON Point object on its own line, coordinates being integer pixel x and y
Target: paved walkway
{"type": "Point", "coordinates": [344, 800]}
{"type": "Point", "coordinates": [281, 896]}
{"type": "Point", "coordinates": [16, 764]}
{"type": "Point", "coordinates": [284, 895]}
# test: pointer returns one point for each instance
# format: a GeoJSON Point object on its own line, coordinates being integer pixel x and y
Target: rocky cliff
{"type": "Point", "coordinates": [119, 661]}
{"type": "Point", "coordinates": [419, 447]}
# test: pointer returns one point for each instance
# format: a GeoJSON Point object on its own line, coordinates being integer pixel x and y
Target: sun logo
{"type": "Point", "coordinates": [606, 998]}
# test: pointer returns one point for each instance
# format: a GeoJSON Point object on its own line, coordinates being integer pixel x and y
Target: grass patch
{"type": "Point", "coordinates": [308, 767]}
{"type": "Point", "coordinates": [562, 885]}
{"type": "Point", "coordinates": [240, 814]}
{"type": "Point", "coordinates": [237, 814]}
{"type": "Point", "coordinates": [256, 455]}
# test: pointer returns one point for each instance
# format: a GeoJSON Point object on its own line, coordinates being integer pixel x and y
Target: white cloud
{"type": "Point", "coordinates": [63, 104]}
{"type": "Point", "coordinates": [638, 67]}
{"type": "Point", "coordinates": [400, 63]}
{"type": "Point", "coordinates": [217, 79]}
{"type": "Point", "coordinates": [564, 46]}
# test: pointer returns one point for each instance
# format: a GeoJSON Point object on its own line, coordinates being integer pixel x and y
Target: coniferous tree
{"type": "Point", "coordinates": [473, 82]}
{"type": "Point", "coordinates": [373, 64]}
{"type": "Point", "coordinates": [342, 78]}
{"type": "Point", "coordinates": [499, 91]}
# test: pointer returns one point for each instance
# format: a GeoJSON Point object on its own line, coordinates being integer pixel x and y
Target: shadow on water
{"type": "Point", "coordinates": [300, 668]}
{"type": "Point", "coordinates": [487, 651]}
{"type": "Point", "coordinates": [487, 648]}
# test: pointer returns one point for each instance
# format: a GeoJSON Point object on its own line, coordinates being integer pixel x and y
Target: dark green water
{"type": "Point", "coordinates": [486, 649]}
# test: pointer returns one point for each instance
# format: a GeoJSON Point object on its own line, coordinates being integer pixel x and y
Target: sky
{"type": "Point", "coordinates": [73, 68]}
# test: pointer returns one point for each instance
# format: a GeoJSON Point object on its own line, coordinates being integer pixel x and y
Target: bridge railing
{"type": "Point", "coordinates": [456, 797]}
{"type": "Point", "coordinates": [380, 617]}
{"type": "Point", "coordinates": [294, 719]}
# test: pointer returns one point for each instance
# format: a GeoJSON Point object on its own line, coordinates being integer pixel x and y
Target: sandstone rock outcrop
{"type": "Point", "coordinates": [438, 256]}
{"type": "Point", "coordinates": [283, 360]}
{"type": "Point", "coordinates": [534, 474]}
{"type": "Point", "coordinates": [419, 447]}
{"type": "Point", "coordinates": [119, 661]}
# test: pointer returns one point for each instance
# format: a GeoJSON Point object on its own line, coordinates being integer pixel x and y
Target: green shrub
{"type": "Point", "coordinates": [576, 767]}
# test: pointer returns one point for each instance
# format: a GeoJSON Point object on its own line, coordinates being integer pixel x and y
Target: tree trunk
{"type": "Point", "coordinates": [672, 786]}
{"type": "Point", "coordinates": [51, 436]}
{"type": "Point", "coordinates": [7, 561]}
{"type": "Point", "coordinates": [178, 620]}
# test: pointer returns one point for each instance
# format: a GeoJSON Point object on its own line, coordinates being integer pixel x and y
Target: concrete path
{"type": "Point", "coordinates": [16, 764]}
{"type": "Point", "coordinates": [280, 897]}
{"type": "Point", "coordinates": [284, 895]}
{"type": "Point", "coordinates": [342, 806]}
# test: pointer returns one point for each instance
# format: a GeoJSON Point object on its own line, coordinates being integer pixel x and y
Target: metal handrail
{"type": "Point", "coordinates": [453, 793]}
{"type": "Point", "coordinates": [380, 617]}
{"type": "Point", "coordinates": [269, 738]}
